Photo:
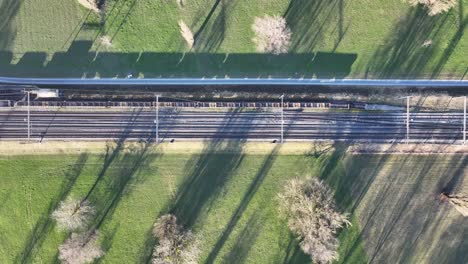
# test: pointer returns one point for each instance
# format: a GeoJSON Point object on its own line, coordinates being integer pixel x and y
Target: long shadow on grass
{"type": "Point", "coordinates": [210, 171]}
{"type": "Point", "coordinates": [454, 41]}
{"type": "Point", "coordinates": [207, 19]}
{"type": "Point", "coordinates": [124, 18]}
{"type": "Point", "coordinates": [331, 161]}
{"type": "Point", "coordinates": [207, 174]}
{"type": "Point", "coordinates": [8, 11]}
{"type": "Point", "coordinates": [294, 254]}
{"type": "Point", "coordinates": [4, 199]}
{"type": "Point", "coordinates": [112, 152]}
{"type": "Point", "coordinates": [244, 241]}
{"type": "Point", "coordinates": [411, 45]}
{"type": "Point", "coordinates": [433, 222]}
{"type": "Point", "coordinates": [350, 191]}
{"type": "Point", "coordinates": [399, 209]}
{"type": "Point", "coordinates": [44, 225]}
{"type": "Point", "coordinates": [109, 23]}
{"type": "Point", "coordinates": [396, 197]}
{"type": "Point", "coordinates": [167, 116]}
{"type": "Point", "coordinates": [116, 184]}
{"type": "Point", "coordinates": [311, 21]}
{"type": "Point", "coordinates": [251, 191]}
{"type": "Point", "coordinates": [211, 35]}
{"type": "Point", "coordinates": [121, 165]}
{"type": "Point", "coordinates": [120, 170]}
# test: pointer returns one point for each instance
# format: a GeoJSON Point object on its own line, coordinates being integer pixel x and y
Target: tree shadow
{"type": "Point", "coordinates": [146, 251]}
{"type": "Point", "coordinates": [78, 28]}
{"type": "Point", "coordinates": [120, 171]}
{"type": "Point", "coordinates": [108, 22]}
{"type": "Point", "coordinates": [107, 240]}
{"type": "Point", "coordinates": [8, 11]}
{"type": "Point", "coordinates": [349, 190]}
{"type": "Point", "coordinates": [44, 225]}
{"type": "Point", "coordinates": [207, 173]}
{"type": "Point", "coordinates": [4, 199]}
{"type": "Point", "coordinates": [453, 182]}
{"type": "Point", "coordinates": [454, 250]}
{"type": "Point", "coordinates": [210, 35]}
{"type": "Point", "coordinates": [395, 199]}
{"type": "Point", "coordinates": [251, 191]}
{"type": "Point", "coordinates": [312, 21]}
{"type": "Point", "coordinates": [129, 6]}
{"type": "Point", "coordinates": [117, 182]}
{"type": "Point", "coordinates": [112, 152]}
{"type": "Point", "coordinates": [121, 166]}
{"type": "Point", "coordinates": [411, 46]}
{"type": "Point", "coordinates": [249, 195]}
{"type": "Point", "coordinates": [454, 41]}
{"type": "Point", "coordinates": [208, 18]}
{"type": "Point", "coordinates": [169, 118]}
{"type": "Point", "coordinates": [244, 241]}
{"type": "Point", "coordinates": [294, 253]}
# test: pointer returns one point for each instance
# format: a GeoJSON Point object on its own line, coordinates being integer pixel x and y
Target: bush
{"type": "Point", "coordinates": [310, 208]}
{"type": "Point", "coordinates": [175, 245]}
{"type": "Point", "coordinates": [271, 34]}
{"type": "Point", "coordinates": [435, 7]}
{"type": "Point", "coordinates": [80, 249]}
{"type": "Point", "coordinates": [73, 214]}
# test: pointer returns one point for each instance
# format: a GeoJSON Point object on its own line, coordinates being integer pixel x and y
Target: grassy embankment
{"type": "Point", "coordinates": [227, 196]}
{"type": "Point", "coordinates": [373, 39]}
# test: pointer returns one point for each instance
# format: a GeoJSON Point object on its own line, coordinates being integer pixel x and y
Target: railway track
{"type": "Point", "coordinates": [186, 125]}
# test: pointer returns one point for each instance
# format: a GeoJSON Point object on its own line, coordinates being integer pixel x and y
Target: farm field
{"type": "Point", "coordinates": [227, 196]}
{"type": "Point", "coordinates": [337, 38]}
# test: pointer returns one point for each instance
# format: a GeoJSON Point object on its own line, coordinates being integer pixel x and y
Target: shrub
{"type": "Point", "coordinates": [80, 249]}
{"type": "Point", "coordinates": [435, 7]}
{"type": "Point", "coordinates": [73, 214]}
{"type": "Point", "coordinates": [271, 34]}
{"type": "Point", "coordinates": [175, 245]}
{"type": "Point", "coordinates": [310, 208]}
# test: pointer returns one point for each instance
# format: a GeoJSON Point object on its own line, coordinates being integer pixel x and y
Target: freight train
{"type": "Point", "coordinates": [192, 104]}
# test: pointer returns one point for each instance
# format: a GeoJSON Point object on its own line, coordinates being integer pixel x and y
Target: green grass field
{"type": "Point", "coordinates": [332, 38]}
{"type": "Point", "coordinates": [229, 200]}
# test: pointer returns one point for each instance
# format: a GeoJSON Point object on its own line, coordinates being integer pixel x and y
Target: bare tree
{"type": "Point", "coordinates": [80, 249]}
{"type": "Point", "coordinates": [460, 202]}
{"type": "Point", "coordinates": [181, 3]}
{"type": "Point", "coordinates": [106, 41]}
{"type": "Point", "coordinates": [271, 34]}
{"type": "Point", "coordinates": [186, 33]}
{"type": "Point", "coordinates": [73, 214]}
{"type": "Point", "coordinates": [90, 4]}
{"type": "Point", "coordinates": [313, 217]}
{"type": "Point", "coordinates": [175, 245]}
{"type": "Point", "coordinates": [435, 7]}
